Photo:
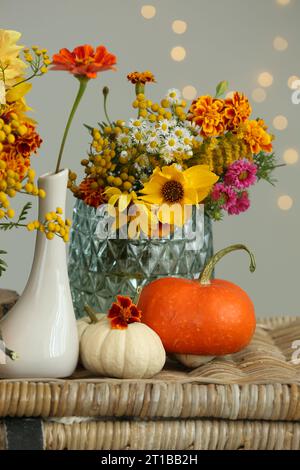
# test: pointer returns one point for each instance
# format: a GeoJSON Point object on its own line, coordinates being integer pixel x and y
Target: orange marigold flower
{"type": "Point", "coordinates": [123, 312]}
{"type": "Point", "coordinates": [14, 161]}
{"type": "Point", "coordinates": [91, 193]}
{"type": "Point", "coordinates": [237, 110]}
{"type": "Point", "coordinates": [29, 143]}
{"type": "Point", "coordinates": [208, 113]}
{"type": "Point", "coordinates": [84, 61]}
{"type": "Point", "coordinates": [141, 77]}
{"type": "Point", "coordinates": [256, 135]}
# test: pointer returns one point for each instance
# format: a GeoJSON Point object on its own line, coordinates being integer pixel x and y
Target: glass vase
{"type": "Point", "coordinates": [101, 267]}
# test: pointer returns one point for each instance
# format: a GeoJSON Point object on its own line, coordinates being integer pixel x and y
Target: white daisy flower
{"type": "Point", "coordinates": [154, 144]}
{"type": "Point", "coordinates": [173, 96]}
{"type": "Point", "coordinates": [136, 123]}
{"type": "Point", "coordinates": [171, 143]}
{"type": "Point", "coordinates": [167, 158]}
{"type": "Point", "coordinates": [163, 127]}
{"type": "Point", "coordinates": [124, 140]}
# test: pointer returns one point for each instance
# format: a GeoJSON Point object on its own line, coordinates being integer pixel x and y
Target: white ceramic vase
{"type": "Point", "coordinates": [41, 327]}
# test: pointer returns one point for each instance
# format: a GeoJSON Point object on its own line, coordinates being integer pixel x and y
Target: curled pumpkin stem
{"type": "Point", "coordinates": [91, 313]}
{"type": "Point", "coordinates": [205, 277]}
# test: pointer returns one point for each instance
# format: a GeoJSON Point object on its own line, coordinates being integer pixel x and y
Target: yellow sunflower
{"type": "Point", "coordinates": [175, 191]}
{"type": "Point", "coordinates": [139, 216]}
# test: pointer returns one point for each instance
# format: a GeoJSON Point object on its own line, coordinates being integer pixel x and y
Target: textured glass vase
{"type": "Point", "coordinates": [102, 267]}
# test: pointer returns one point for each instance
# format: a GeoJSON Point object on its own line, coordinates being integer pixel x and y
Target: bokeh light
{"type": "Point", "coordinates": [189, 92]}
{"type": "Point", "coordinates": [179, 26]}
{"type": "Point", "coordinates": [178, 53]}
{"type": "Point", "coordinates": [291, 82]}
{"type": "Point", "coordinates": [259, 95]}
{"type": "Point", "coordinates": [148, 11]}
{"type": "Point", "coordinates": [229, 95]}
{"type": "Point", "coordinates": [265, 79]}
{"type": "Point", "coordinates": [283, 2]}
{"type": "Point", "coordinates": [285, 203]}
{"type": "Point", "coordinates": [280, 44]}
{"type": "Point", "coordinates": [280, 123]}
{"type": "Point", "coordinates": [291, 156]}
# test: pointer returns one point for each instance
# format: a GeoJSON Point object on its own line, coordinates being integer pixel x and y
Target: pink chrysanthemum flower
{"type": "Point", "coordinates": [242, 204]}
{"type": "Point", "coordinates": [225, 194]}
{"type": "Point", "coordinates": [241, 174]}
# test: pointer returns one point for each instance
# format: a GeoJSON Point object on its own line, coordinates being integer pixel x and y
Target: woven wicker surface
{"type": "Point", "coordinates": [167, 435]}
{"type": "Point", "coordinates": [258, 383]}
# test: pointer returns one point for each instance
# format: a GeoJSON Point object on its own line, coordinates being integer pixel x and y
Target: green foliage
{"type": "Point", "coordinates": [22, 217]}
{"type": "Point", "coordinates": [221, 89]}
{"type": "Point", "coordinates": [266, 164]}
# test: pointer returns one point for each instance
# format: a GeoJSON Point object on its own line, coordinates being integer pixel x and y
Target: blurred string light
{"type": "Point", "coordinates": [179, 26]}
{"type": "Point", "coordinates": [259, 95]}
{"type": "Point", "coordinates": [280, 123]}
{"type": "Point", "coordinates": [189, 92]}
{"type": "Point", "coordinates": [285, 203]}
{"type": "Point", "coordinates": [291, 156]}
{"type": "Point", "coordinates": [178, 53]}
{"type": "Point", "coordinates": [148, 11]}
{"type": "Point", "coordinates": [280, 44]}
{"type": "Point", "coordinates": [265, 79]}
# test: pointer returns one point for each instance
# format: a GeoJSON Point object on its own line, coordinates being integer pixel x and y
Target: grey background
{"type": "Point", "coordinates": [225, 39]}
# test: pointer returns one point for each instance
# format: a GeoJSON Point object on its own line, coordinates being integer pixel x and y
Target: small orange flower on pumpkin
{"type": "Point", "coordinates": [237, 110]}
{"type": "Point", "coordinates": [141, 77]}
{"type": "Point", "coordinates": [123, 312]}
{"type": "Point", "coordinates": [207, 113]}
{"type": "Point", "coordinates": [91, 193]}
{"type": "Point", "coordinates": [84, 61]}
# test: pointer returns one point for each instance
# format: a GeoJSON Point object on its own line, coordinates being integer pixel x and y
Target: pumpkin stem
{"type": "Point", "coordinates": [210, 265]}
{"type": "Point", "coordinates": [137, 295]}
{"type": "Point", "coordinates": [91, 313]}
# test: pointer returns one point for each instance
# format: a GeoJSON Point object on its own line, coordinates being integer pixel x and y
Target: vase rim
{"type": "Point", "coordinates": [53, 175]}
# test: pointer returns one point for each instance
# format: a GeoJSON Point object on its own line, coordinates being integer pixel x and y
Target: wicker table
{"type": "Point", "coordinates": [250, 400]}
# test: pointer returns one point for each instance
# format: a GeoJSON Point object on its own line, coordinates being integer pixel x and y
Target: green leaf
{"type": "Point", "coordinates": [89, 128]}
{"type": "Point", "coordinates": [23, 215]}
{"type": "Point", "coordinates": [221, 89]}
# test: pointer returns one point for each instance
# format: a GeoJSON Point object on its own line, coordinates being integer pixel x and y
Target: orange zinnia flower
{"type": "Point", "coordinates": [207, 113]}
{"type": "Point", "coordinates": [84, 61]}
{"type": "Point", "coordinates": [123, 312]}
{"type": "Point", "coordinates": [91, 193]}
{"type": "Point", "coordinates": [237, 110]}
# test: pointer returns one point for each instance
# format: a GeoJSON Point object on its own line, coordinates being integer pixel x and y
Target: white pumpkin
{"type": "Point", "coordinates": [192, 361]}
{"type": "Point", "coordinates": [130, 353]}
{"type": "Point", "coordinates": [84, 322]}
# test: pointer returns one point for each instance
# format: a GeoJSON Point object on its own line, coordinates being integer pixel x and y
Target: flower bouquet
{"type": "Point", "coordinates": [136, 214]}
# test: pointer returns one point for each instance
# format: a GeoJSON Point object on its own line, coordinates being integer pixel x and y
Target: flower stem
{"type": "Point", "coordinates": [209, 267]}
{"type": "Point", "coordinates": [82, 86]}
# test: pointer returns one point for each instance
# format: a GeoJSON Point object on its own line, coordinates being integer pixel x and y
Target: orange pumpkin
{"type": "Point", "coordinates": [202, 317]}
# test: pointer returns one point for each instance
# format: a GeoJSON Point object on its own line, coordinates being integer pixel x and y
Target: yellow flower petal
{"type": "Point", "coordinates": [124, 201]}
{"type": "Point", "coordinates": [17, 92]}
{"type": "Point", "coordinates": [200, 175]}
